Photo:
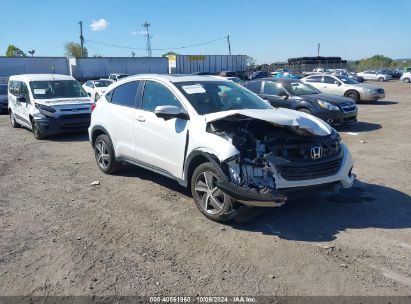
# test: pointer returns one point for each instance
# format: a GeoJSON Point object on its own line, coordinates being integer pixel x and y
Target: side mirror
{"type": "Point", "coordinates": [169, 112]}
{"type": "Point", "coordinates": [337, 82]}
{"type": "Point", "coordinates": [284, 94]}
{"type": "Point", "coordinates": [21, 99]}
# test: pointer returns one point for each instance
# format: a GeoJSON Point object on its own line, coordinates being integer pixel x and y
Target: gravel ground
{"type": "Point", "coordinates": [138, 233]}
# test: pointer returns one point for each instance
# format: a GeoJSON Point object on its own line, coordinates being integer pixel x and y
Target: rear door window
{"type": "Point", "coordinates": [254, 86]}
{"type": "Point", "coordinates": [273, 88]}
{"type": "Point", "coordinates": [125, 94]}
{"type": "Point", "coordinates": [314, 79]}
{"type": "Point", "coordinates": [330, 80]}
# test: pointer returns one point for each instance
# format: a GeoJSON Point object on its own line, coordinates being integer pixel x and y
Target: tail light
{"type": "Point", "coordinates": [93, 106]}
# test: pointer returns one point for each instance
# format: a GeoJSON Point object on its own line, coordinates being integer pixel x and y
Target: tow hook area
{"type": "Point", "coordinates": [251, 198]}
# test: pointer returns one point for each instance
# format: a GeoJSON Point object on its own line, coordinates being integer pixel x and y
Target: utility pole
{"type": "Point", "coordinates": [81, 38]}
{"type": "Point", "coordinates": [229, 45]}
{"type": "Point", "coordinates": [318, 54]}
{"type": "Point", "coordinates": [146, 25]}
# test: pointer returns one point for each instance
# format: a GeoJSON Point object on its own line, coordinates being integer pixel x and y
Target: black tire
{"type": "Point", "coordinates": [353, 95]}
{"type": "Point", "coordinates": [406, 80]}
{"type": "Point", "coordinates": [305, 110]}
{"type": "Point", "coordinates": [36, 131]}
{"type": "Point", "coordinates": [14, 123]}
{"type": "Point", "coordinates": [381, 79]}
{"type": "Point", "coordinates": [104, 153]}
{"type": "Point", "coordinates": [212, 202]}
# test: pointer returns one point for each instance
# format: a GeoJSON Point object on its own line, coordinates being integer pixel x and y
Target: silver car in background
{"type": "Point", "coordinates": [374, 75]}
{"type": "Point", "coordinates": [345, 86]}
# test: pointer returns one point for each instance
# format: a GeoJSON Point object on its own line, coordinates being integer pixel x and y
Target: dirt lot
{"type": "Point", "coordinates": [138, 233]}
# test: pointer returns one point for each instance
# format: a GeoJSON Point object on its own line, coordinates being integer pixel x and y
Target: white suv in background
{"type": "Point", "coordinates": [48, 104]}
{"type": "Point", "coordinates": [96, 88]}
{"type": "Point", "coordinates": [223, 141]}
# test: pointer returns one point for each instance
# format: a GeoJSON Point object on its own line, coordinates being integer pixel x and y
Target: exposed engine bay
{"type": "Point", "coordinates": [268, 150]}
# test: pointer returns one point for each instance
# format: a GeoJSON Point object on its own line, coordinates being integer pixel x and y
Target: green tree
{"type": "Point", "coordinates": [168, 53]}
{"type": "Point", "coordinates": [14, 51]}
{"type": "Point", "coordinates": [374, 62]}
{"type": "Point", "coordinates": [73, 49]}
{"type": "Point", "coordinates": [251, 63]}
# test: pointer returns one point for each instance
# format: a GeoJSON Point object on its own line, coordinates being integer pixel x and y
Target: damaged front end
{"type": "Point", "coordinates": [268, 152]}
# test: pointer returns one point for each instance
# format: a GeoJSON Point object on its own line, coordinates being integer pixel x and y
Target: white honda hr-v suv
{"type": "Point", "coordinates": [218, 138]}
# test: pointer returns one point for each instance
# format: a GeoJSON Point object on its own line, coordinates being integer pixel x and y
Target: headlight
{"type": "Point", "coordinates": [45, 108]}
{"type": "Point", "coordinates": [327, 105]}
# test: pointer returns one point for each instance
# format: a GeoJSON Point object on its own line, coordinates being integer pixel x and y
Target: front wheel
{"type": "Point", "coordinates": [381, 79]}
{"type": "Point", "coordinates": [353, 95]}
{"type": "Point", "coordinates": [406, 80]}
{"type": "Point", "coordinates": [36, 131]}
{"type": "Point", "coordinates": [210, 200]}
{"type": "Point", "coordinates": [104, 153]}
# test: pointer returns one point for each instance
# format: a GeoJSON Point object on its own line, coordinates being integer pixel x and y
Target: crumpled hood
{"type": "Point", "coordinates": [280, 117]}
{"type": "Point", "coordinates": [64, 101]}
{"type": "Point", "coordinates": [333, 99]}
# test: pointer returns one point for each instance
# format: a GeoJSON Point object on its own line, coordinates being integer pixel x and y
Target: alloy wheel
{"type": "Point", "coordinates": [211, 198]}
{"type": "Point", "coordinates": [102, 154]}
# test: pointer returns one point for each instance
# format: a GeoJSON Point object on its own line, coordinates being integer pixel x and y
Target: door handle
{"type": "Point", "coordinates": [141, 118]}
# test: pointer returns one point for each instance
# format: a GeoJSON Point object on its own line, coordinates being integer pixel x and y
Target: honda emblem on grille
{"type": "Point", "coordinates": [316, 152]}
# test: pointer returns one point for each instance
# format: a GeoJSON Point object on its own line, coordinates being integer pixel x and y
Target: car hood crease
{"type": "Point", "coordinates": [279, 117]}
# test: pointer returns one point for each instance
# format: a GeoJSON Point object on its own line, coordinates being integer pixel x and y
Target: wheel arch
{"type": "Point", "coordinates": [196, 158]}
{"type": "Point", "coordinates": [351, 90]}
{"type": "Point", "coordinates": [96, 132]}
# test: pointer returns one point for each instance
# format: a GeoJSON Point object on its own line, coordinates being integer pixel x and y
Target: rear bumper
{"type": "Point", "coordinates": [68, 123]}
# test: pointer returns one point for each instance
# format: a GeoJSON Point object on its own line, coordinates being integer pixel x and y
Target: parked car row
{"type": "Point", "coordinates": [225, 143]}
{"type": "Point", "coordinates": [296, 95]}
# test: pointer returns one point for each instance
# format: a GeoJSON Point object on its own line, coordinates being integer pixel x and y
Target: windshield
{"type": "Point", "coordinates": [102, 83]}
{"type": "Point", "coordinates": [56, 89]}
{"type": "Point", "coordinates": [299, 88]}
{"type": "Point", "coordinates": [3, 89]}
{"type": "Point", "coordinates": [217, 96]}
{"type": "Point", "coordinates": [347, 80]}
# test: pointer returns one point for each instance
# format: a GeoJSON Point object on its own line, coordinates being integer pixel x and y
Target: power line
{"type": "Point", "coordinates": [159, 49]}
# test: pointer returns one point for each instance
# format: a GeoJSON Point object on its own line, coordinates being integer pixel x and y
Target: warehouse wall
{"type": "Point", "coordinates": [33, 65]}
{"type": "Point", "coordinates": [101, 67]}
{"type": "Point", "coordinates": [187, 64]}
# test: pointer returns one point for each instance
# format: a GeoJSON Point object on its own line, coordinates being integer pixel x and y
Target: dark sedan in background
{"type": "Point", "coordinates": [3, 97]}
{"type": "Point", "coordinates": [293, 94]}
